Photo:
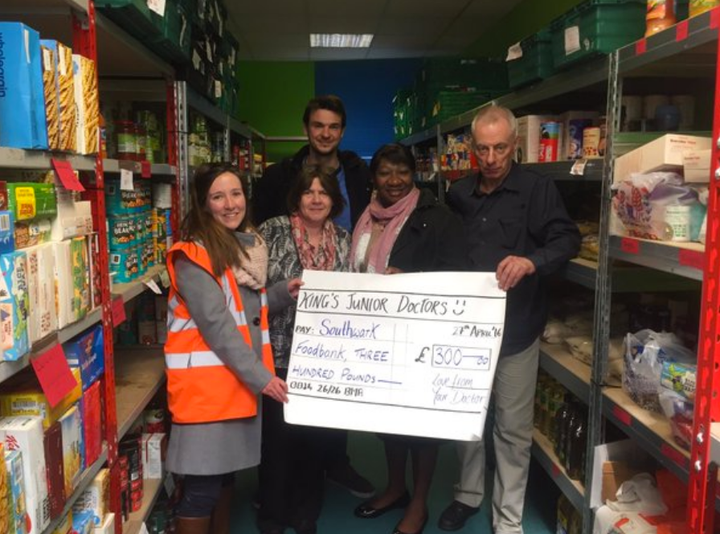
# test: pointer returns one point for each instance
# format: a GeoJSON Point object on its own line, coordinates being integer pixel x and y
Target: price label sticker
{"type": "Point", "coordinates": [165, 278]}
{"type": "Point", "coordinates": [674, 455]}
{"type": "Point", "coordinates": [572, 40]}
{"type": "Point", "coordinates": [126, 180]}
{"type": "Point", "coordinates": [514, 52]}
{"type": "Point", "coordinates": [692, 258]}
{"type": "Point", "coordinates": [681, 31]}
{"type": "Point", "coordinates": [67, 175]}
{"type": "Point", "coordinates": [158, 6]}
{"type": "Point", "coordinates": [640, 47]}
{"type": "Point", "coordinates": [630, 246]}
{"type": "Point", "coordinates": [146, 169]}
{"type": "Point", "coordinates": [622, 416]}
{"type": "Point", "coordinates": [118, 311]}
{"type": "Point", "coordinates": [578, 168]}
{"type": "Point", "coordinates": [54, 375]}
{"type": "Point", "coordinates": [152, 284]}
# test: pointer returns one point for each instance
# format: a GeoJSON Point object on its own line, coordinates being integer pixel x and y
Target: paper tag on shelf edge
{"type": "Point", "coordinates": [169, 483]}
{"type": "Point", "coordinates": [146, 167]}
{"type": "Point", "coordinates": [152, 284]}
{"type": "Point", "coordinates": [164, 278]}
{"type": "Point", "coordinates": [126, 180]}
{"type": "Point", "coordinates": [158, 6]}
{"type": "Point", "coordinates": [578, 168]}
{"type": "Point", "coordinates": [630, 245]}
{"type": "Point", "coordinates": [514, 52]}
{"type": "Point", "coordinates": [118, 311]}
{"type": "Point", "coordinates": [67, 175]}
{"type": "Point", "coordinates": [53, 373]}
{"type": "Point", "coordinates": [572, 40]}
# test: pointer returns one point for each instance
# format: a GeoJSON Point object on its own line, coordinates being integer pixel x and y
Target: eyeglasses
{"type": "Point", "coordinates": [500, 149]}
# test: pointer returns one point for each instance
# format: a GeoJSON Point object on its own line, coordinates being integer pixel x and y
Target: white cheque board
{"type": "Point", "coordinates": [411, 354]}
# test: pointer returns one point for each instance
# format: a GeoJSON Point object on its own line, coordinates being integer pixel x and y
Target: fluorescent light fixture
{"type": "Point", "coordinates": [340, 40]}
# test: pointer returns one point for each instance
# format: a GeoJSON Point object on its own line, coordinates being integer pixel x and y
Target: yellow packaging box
{"type": "Point", "coordinates": [87, 105]}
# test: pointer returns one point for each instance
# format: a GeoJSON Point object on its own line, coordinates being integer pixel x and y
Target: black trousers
{"type": "Point", "coordinates": [291, 474]}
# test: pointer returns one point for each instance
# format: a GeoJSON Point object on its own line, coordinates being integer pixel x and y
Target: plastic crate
{"type": "Point", "coordinates": [400, 113]}
{"type": "Point", "coordinates": [596, 27]}
{"type": "Point", "coordinates": [447, 104]}
{"type": "Point", "coordinates": [483, 74]}
{"type": "Point", "coordinates": [174, 41]}
{"type": "Point", "coordinates": [536, 62]}
{"type": "Point", "coordinates": [133, 16]}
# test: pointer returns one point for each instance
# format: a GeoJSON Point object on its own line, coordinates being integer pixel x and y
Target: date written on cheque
{"type": "Point", "coordinates": [326, 389]}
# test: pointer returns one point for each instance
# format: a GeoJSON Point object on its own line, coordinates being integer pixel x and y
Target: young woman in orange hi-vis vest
{"type": "Point", "coordinates": [218, 354]}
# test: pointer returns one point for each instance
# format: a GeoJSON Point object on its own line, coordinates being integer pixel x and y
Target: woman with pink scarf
{"type": "Point", "coordinates": [403, 230]}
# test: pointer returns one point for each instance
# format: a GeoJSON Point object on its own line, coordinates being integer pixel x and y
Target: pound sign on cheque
{"type": "Point", "coordinates": [421, 358]}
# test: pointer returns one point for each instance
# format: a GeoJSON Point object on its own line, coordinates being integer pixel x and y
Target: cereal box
{"type": "Point", "coordinates": [87, 104]}
{"type": "Point", "coordinates": [86, 351]}
{"type": "Point", "coordinates": [14, 299]}
{"type": "Point", "coordinates": [71, 425]}
{"type": "Point", "coordinates": [80, 278]}
{"type": "Point", "coordinates": [92, 422]}
{"type": "Point", "coordinates": [25, 434]}
{"type": "Point", "coordinates": [52, 107]}
{"type": "Point", "coordinates": [7, 232]}
{"type": "Point", "coordinates": [96, 498]}
{"type": "Point", "coordinates": [42, 319]}
{"type": "Point", "coordinates": [63, 283]}
{"type": "Point", "coordinates": [54, 469]}
{"type": "Point", "coordinates": [4, 494]}
{"type": "Point", "coordinates": [18, 511]}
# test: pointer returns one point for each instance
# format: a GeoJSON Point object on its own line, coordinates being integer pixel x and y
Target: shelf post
{"type": "Point", "coordinates": [703, 474]}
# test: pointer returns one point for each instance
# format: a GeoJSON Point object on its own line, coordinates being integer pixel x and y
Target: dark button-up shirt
{"type": "Point", "coordinates": [524, 216]}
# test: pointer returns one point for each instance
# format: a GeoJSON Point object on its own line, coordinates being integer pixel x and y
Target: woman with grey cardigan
{"type": "Point", "coordinates": [217, 354]}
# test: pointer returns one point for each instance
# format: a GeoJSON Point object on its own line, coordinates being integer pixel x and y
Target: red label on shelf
{"type": "Point", "coordinates": [146, 171]}
{"type": "Point", "coordinates": [681, 30]}
{"type": "Point", "coordinates": [675, 455]}
{"type": "Point", "coordinates": [715, 18]}
{"type": "Point", "coordinates": [692, 258]}
{"type": "Point", "coordinates": [66, 175]}
{"type": "Point", "coordinates": [622, 416]}
{"type": "Point", "coordinates": [118, 311]}
{"type": "Point", "coordinates": [555, 471]}
{"type": "Point", "coordinates": [630, 246]}
{"type": "Point", "coordinates": [640, 47]}
{"type": "Point", "coordinates": [54, 375]}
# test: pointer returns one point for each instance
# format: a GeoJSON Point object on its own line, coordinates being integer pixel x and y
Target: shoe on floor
{"type": "Point", "coordinates": [456, 515]}
{"type": "Point", "coordinates": [365, 511]}
{"type": "Point", "coordinates": [349, 479]}
{"type": "Point", "coordinates": [398, 531]}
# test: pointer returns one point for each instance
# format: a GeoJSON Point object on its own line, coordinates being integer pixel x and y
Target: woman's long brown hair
{"type": "Point", "coordinates": [199, 225]}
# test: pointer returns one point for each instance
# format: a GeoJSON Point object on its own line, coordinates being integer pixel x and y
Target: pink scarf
{"type": "Point", "coordinates": [392, 219]}
{"type": "Point", "coordinates": [320, 258]}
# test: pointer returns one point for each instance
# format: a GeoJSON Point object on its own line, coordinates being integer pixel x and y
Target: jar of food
{"type": "Point", "coordinates": [125, 140]}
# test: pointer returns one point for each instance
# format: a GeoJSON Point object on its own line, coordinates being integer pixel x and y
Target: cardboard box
{"type": "Point", "coordinates": [82, 523]}
{"type": "Point", "coordinates": [7, 232]}
{"type": "Point", "coordinates": [4, 494]}
{"type": "Point", "coordinates": [528, 146]}
{"type": "Point", "coordinates": [31, 200]}
{"type": "Point", "coordinates": [42, 320]}
{"type": "Point", "coordinates": [92, 423]}
{"type": "Point", "coordinates": [25, 435]}
{"type": "Point", "coordinates": [16, 495]}
{"type": "Point", "coordinates": [80, 278]}
{"type": "Point", "coordinates": [95, 500]}
{"type": "Point", "coordinates": [107, 526]}
{"type": "Point", "coordinates": [14, 298]}
{"type": "Point", "coordinates": [663, 154]}
{"type": "Point", "coordinates": [87, 352]}
{"type": "Point", "coordinates": [696, 166]}
{"type": "Point", "coordinates": [50, 92]}
{"type": "Point", "coordinates": [63, 283]}
{"type": "Point", "coordinates": [74, 216]}
{"type": "Point", "coordinates": [87, 105]}
{"type": "Point", "coordinates": [65, 525]}
{"type": "Point", "coordinates": [54, 469]}
{"type": "Point", "coordinates": [153, 455]}
{"type": "Point", "coordinates": [604, 481]}
{"type": "Point", "coordinates": [22, 100]}
{"type": "Point", "coordinates": [65, 91]}
{"type": "Point", "coordinates": [73, 449]}
{"type": "Point", "coordinates": [32, 233]}
{"type": "Point", "coordinates": [27, 399]}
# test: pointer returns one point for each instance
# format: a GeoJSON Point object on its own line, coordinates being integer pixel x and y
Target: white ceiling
{"type": "Point", "coordinates": [279, 30]}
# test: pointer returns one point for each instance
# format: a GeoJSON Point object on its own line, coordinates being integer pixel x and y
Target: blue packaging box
{"type": "Point", "coordinates": [87, 352]}
{"type": "Point", "coordinates": [23, 122]}
{"type": "Point", "coordinates": [14, 302]}
{"type": "Point", "coordinates": [7, 232]}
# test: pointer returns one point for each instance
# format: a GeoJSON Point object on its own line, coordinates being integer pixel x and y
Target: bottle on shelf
{"type": "Point", "coordinates": [562, 417]}
{"type": "Point", "coordinates": [578, 442]}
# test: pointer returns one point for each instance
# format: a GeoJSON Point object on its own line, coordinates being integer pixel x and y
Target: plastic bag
{"type": "Point", "coordinates": [679, 412]}
{"type": "Point", "coordinates": [645, 353]}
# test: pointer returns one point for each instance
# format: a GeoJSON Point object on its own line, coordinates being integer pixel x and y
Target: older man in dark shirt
{"type": "Point", "coordinates": [516, 226]}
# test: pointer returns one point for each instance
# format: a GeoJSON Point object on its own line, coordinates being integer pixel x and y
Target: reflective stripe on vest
{"type": "Point", "coordinates": [200, 387]}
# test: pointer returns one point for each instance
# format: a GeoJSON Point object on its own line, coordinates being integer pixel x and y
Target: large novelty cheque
{"type": "Point", "coordinates": [411, 354]}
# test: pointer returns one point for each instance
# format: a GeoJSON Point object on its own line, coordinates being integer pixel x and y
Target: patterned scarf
{"type": "Point", "coordinates": [253, 269]}
{"type": "Point", "coordinates": [320, 258]}
{"type": "Point", "coordinates": [376, 232]}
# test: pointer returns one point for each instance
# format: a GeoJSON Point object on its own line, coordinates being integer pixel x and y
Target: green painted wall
{"type": "Point", "coordinates": [273, 96]}
{"type": "Point", "coordinates": [525, 19]}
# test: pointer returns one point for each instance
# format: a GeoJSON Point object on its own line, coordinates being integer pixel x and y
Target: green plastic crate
{"type": "Point", "coordinates": [483, 74]}
{"type": "Point", "coordinates": [596, 27]}
{"type": "Point", "coordinates": [536, 62]}
{"type": "Point", "coordinates": [447, 104]}
{"type": "Point", "coordinates": [682, 9]}
{"type": "Point", "coordinates": [133, 16]}
{"type": "Point", "coordinates": [174, 41]}
{"type": "Point", "coordinates": [400, 113]}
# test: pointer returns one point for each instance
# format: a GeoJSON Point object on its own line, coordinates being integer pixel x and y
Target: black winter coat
{"type": "Point", "coordinates": [432, 239]}
{"type": "Point", "coordinates": [271, 191]}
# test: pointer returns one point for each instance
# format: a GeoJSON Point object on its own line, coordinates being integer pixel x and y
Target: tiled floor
{"type": "Point", "coordinates": [366, 452]}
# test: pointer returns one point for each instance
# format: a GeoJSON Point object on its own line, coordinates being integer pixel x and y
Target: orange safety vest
{"type": "Point", "coordinates": [201, 388]}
